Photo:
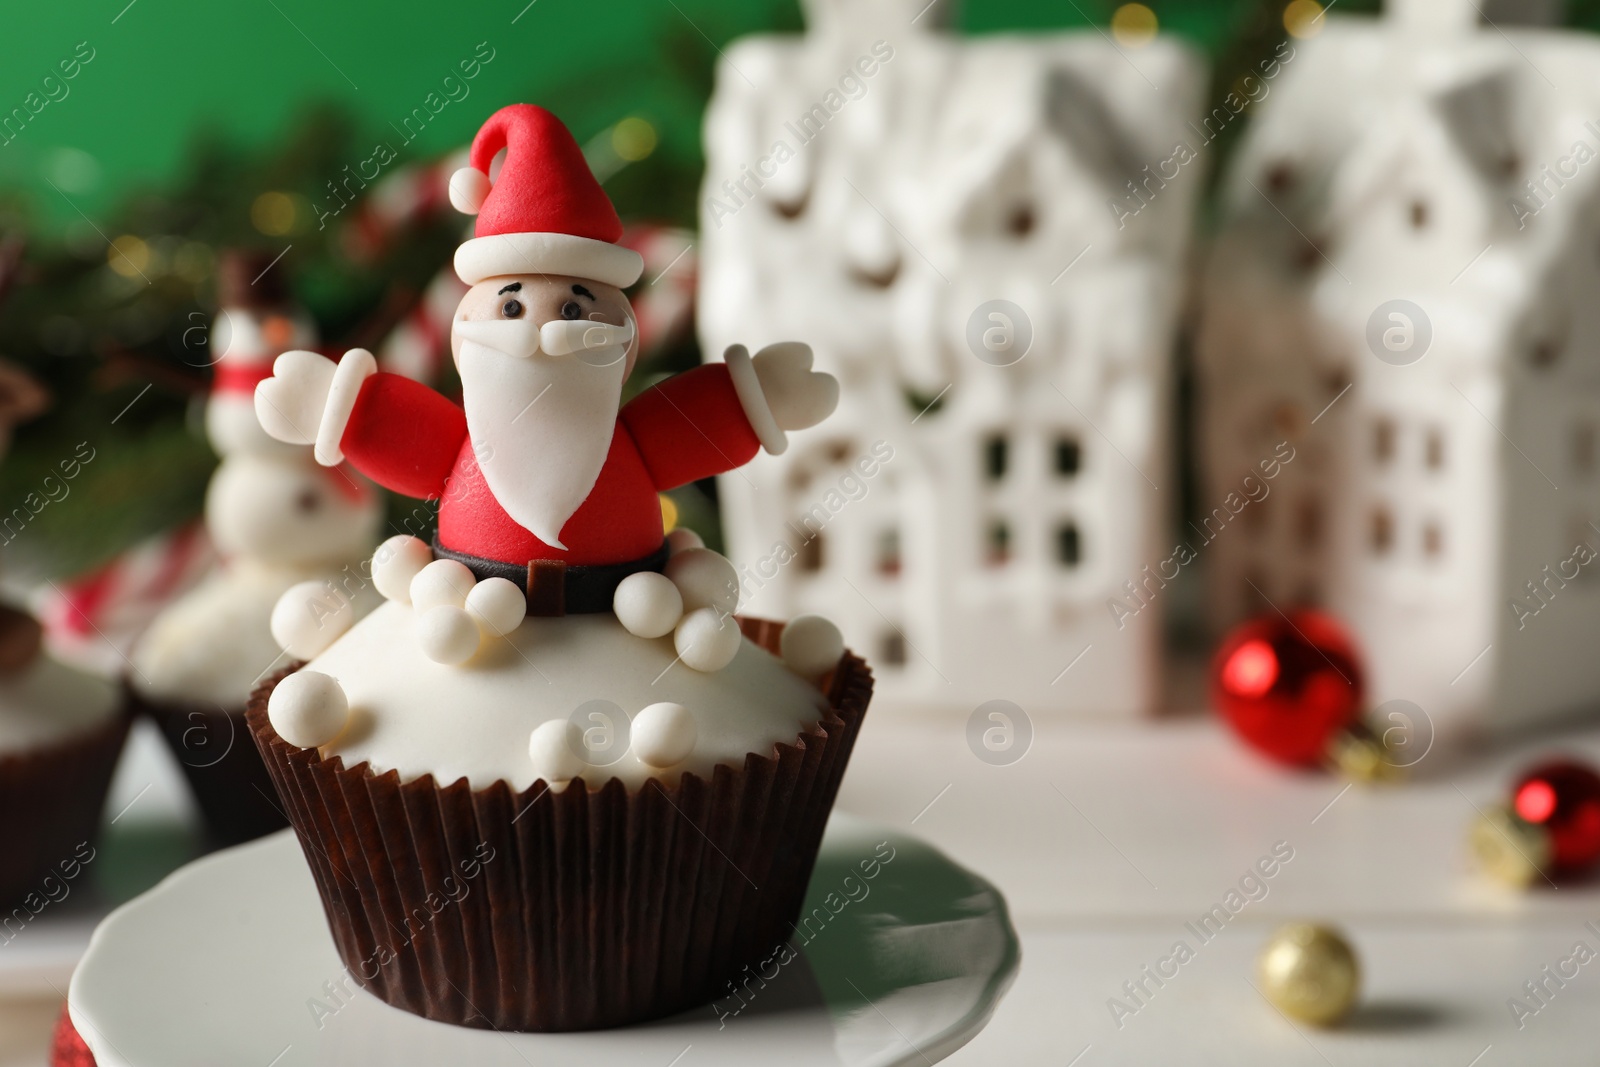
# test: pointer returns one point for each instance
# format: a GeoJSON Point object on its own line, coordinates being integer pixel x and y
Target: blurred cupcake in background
{"type": "Point", "coordinates": [276, 519]}
{"type": "Point", "coordinates": [61, 731]}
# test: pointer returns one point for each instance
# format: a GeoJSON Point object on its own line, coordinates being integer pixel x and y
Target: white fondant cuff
{"type": "Point", "coordinates": [547, 253]}
{"type": "Point", "coordinates": [748, 385]}
{"type": "Point", "coordinates": [354, 369]}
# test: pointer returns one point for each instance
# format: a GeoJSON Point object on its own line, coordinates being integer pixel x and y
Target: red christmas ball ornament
{"type": "Point", "coordinates": [1288, 684]}
{"type": "Point", "coordinates": [1562, 798]}
{"type": "Point", "coordinates": [66, 1046]}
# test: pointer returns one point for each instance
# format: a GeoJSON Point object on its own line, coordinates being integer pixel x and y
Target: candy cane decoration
{"type": "Point", "coordinates": [94, 620]}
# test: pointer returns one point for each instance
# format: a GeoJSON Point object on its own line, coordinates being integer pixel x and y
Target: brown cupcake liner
{"type": "Point", "coordinates": [50, 803]}
{"type": "Point", "coordinates": [565, 911]}
{"type": "Point", "coordinates": [223, 767]}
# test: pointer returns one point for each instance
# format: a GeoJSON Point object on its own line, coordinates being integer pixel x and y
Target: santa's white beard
{"type": "Point", "coordinates": [541, 428]}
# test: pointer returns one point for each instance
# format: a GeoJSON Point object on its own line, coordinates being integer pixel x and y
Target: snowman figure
{"type": "Point", "coordinates": [276, 517]}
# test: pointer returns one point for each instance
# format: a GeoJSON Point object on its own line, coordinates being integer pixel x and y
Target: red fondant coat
{"type": "Point", "coordinates": [408, 438]}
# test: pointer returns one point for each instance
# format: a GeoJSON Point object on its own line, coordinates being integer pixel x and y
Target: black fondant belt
{"type": "Point", "coordinates": [554, 587]}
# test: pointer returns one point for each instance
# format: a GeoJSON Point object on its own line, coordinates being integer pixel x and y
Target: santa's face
{"type": "Point", "coordinates": [542, 360]}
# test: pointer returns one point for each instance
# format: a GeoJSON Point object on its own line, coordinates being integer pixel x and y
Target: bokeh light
{"type": "Point", "coordinates": [633, 139]}
{"type": "Point", "coordinates": [1303, 18]}
{"type": "Point", "coordinates": [1134, 25]}
{"type": "Point", "coordinates": [273, 213]}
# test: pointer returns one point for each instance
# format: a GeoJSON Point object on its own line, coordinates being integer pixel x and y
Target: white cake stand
{"type": "Point", "coordinates": [230, 961]}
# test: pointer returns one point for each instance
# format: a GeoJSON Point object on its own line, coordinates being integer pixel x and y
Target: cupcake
{"type": "Point", "coordinates": [277, 520]}
{"type": "Point", "coordinates": [61, 732]}
{"type": "Point", "coordinates": [554, 783]}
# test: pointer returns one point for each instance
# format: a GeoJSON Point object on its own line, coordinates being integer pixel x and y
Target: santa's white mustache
{"type": "Point", "coordinates": [558, 337]}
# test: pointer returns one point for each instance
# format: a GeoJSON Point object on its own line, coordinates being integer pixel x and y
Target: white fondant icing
{"type": "Point", "coordinates": [707, 639]}
{"type": "Point", "coordinates": [811, 645]}
{"type": "Point", "coordinates": [214, 643]}
{"type": "Point", "coordinates": [396, 562]}
{"type": "Point", "coordinates": [663, 734]}
{"type": "Point", "coordinates": [444, 582]}
{"type": "Point", "coordinates": [706, 580]}
{"type": "Point", "coordinates": [418, 717]}
{"type": "Point", "coordinates": [497, 605]}
{"type": "Point", "coordinates": [48, 702]}
{"type": "Point", "coordinates": [447, 634]}
{"type": "Point", "coordinates": [648, 604]}
{"type": "Point", "coordinates": [308, 708]}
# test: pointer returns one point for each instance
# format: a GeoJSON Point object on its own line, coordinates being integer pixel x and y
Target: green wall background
{"type": "Point", "coordinates": [166, 72]}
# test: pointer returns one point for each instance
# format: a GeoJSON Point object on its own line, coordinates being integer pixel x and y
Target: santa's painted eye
{"type": "Point", "coordinates": [571, 310]}
{"type": "Point", "coordinates": [511, 309]}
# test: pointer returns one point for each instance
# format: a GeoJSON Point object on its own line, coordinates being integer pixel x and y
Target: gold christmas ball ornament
{"type": "Point", "coordinates": [1309, 972]}
{"type": "Point", "coordinates": [1361, 755]}
{"type": "Point", "coordinates": [1508, 847]}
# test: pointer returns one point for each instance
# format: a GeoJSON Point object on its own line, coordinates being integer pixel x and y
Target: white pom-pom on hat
{"type": "Point", "coordinates": [309, 709]}
{"type": "Point", "coordinates": [647, 604]}
{"type": "Point", "coordinates": [396, 562]}
{"type": "Point", "coordinates": [811, 645]}
{"type": "Point", "coordinates": [469, 188]}
{"type": "Point", "coordinates": [663, 734]}
{"type": "Point", "coordinates": [309, 617]}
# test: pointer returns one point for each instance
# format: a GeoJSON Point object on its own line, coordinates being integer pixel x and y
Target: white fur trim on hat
{"type": "Point", "coordinates": [547, 253]}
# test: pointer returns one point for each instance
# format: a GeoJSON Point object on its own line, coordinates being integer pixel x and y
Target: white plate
{"type": "Point", "coordinates": [230, 961]}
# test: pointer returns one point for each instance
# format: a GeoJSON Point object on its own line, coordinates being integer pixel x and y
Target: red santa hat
{"type": "Point", "coordinates": [544, 213]}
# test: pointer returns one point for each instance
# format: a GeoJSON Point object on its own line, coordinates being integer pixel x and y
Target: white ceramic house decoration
{"type": "Point", "coordinates": [1403, 290]}
{"type": "Point", "coordinates": [939, 218]}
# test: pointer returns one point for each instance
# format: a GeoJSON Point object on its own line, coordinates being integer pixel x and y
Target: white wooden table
{"type": "Point", "coordinates": [1107, 839]}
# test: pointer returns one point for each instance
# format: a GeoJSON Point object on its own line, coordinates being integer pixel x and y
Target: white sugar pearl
{"type": "Point", "coordinates": [706, 640]}
{"type": "Point", "coordinates": [444, 581]}
{"type": "Point", "coordinates": [663, 734]}
{"type": "Point", "coordinates": [811, 645]}
{"type": "Point", "coordinates": [309, 617]}
{"type": "Point", "coordinates": [498, 606]}
{"type": "Point", "coordinates": [705, 579]}
{"type": "Point", "coordinates": [447, 634]}
{"type": "Point", "coordinates": [396, 563]}
{"type": "Point", "coordinates": [682, 539]}
{"type": "Point", "coordinates": [648, 604]}
{"type": "Point", "coordinates": [308, 709]}
{"type": "Point", "coordinates": [553, 747]}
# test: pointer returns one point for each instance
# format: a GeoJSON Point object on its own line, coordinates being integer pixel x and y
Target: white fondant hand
{"type": "Point", "coordinates": [289, 404]}
{"type": "Point", "coordinates": [798, 396]}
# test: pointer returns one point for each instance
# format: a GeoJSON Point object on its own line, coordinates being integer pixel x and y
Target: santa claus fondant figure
{"type": "Point", "coordinates": [547, 485]}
